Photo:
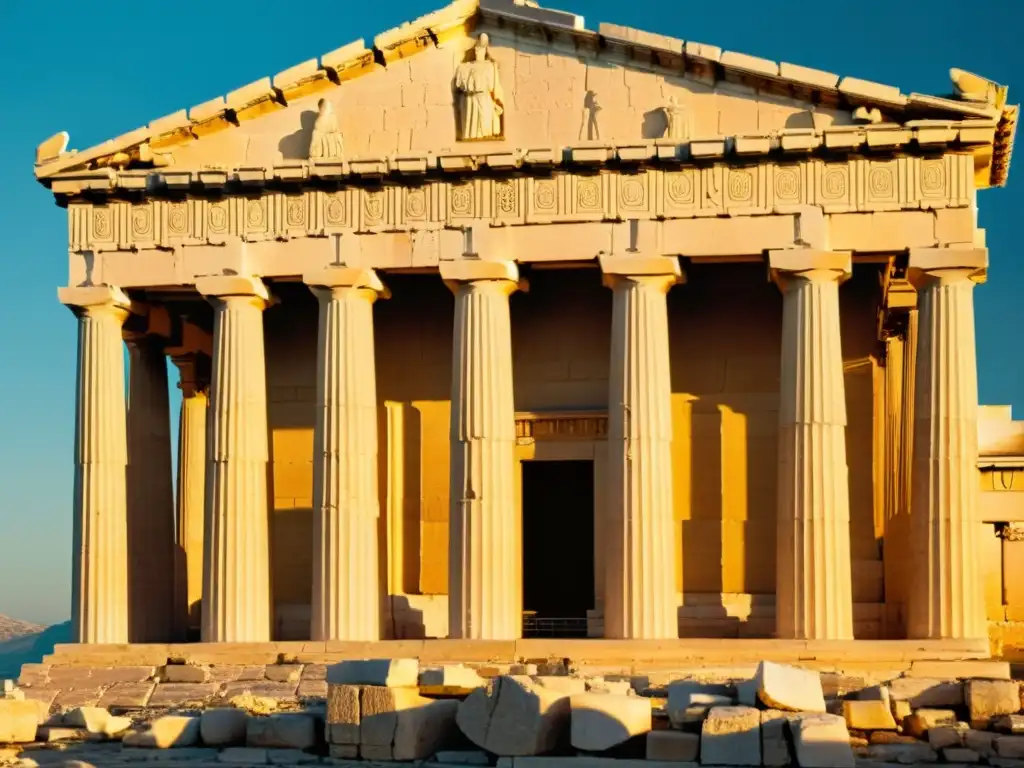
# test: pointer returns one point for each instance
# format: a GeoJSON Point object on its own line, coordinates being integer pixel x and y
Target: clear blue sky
{"type": "Point", "coordinates": [98, 69]}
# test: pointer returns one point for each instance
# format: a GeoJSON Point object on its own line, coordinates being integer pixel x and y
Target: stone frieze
{"type": "Point", "coordinates": [709, 190]}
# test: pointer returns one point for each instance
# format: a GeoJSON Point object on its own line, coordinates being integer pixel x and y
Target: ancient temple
{"type": "Point", "coordinates": [503, 325]}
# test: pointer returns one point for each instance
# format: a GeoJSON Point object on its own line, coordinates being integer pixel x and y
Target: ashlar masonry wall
{"type": "Point", "coordinates": [725, 326]}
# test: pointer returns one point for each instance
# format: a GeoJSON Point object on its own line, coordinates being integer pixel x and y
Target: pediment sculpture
{"type": "Point", "coordinates": [480, 101]}
{"type": "Point", "coordinates": [677, 120]}
{"type": "Point", "coordinates": [326, 142]}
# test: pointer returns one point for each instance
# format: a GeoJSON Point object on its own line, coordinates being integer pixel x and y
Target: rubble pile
{"type": "Point", "coordinates": [390, 710]}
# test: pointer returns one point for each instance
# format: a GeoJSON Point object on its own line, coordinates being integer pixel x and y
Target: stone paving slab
{"type": "Point", "coordinates": [257, 688]}
{"type": "Point", "coordinates": [179, 694]}
{"type": "Point", "coordinates": [127, 695]}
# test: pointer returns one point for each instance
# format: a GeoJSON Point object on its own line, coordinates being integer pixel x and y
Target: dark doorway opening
{"type": "Point", "coordinates": [558, 547]}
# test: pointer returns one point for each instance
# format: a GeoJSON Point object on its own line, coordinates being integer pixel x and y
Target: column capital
{"type": "Point", "coordinates": [463, 271]}
{"type": "Point", "coordinates": [194, 372]}
{"type": "Point", "coordinates": [947, 265]}
{"type": "Point", "coordinates": [346, 277]}
{"type": "Point", "coordinates": [225, 286]}
{"type": "Point", "coordinates": [659, 269]}
{"type": "Point", "coordinates": [809, 264]}
{"type": "Point", "coordinates": [94, 297]}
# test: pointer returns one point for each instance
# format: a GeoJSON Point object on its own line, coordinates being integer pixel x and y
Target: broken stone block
{"type": "Point", "coordinates": [901, 710]}
{"type": "Point", "coordinates": [746, 693]}
{"type": "Point", "coordinates": [518, 717]}
{"type": "Point", "coordinates": [451, 676]}
{"type": "Point", "coordinates": [923, 720]}
{"type": "Point", "coordinates": [165, 732]}
{"type": "Point", "coordinates": [92, 719]}
{"type": "Point", "coordinates": [603, 685]}
{"type": "Point", "coordinates": [286, 730]}
{"type": "Point", "coordinates": [775, 751]}
{"type": "Point", "coordinates": [52, 734]}
{"type": "Point", "coordinates": [989, 699]}
{"type": "Point", "coordinates": [389, 673]}
{"type": "Point", "coordinates": [789, 688]}
{"type": "Point", "coordinates": [1009, 746]}
{"type": "Point", "coordinates": [868, 715]}
{"type": "Point", "coordinates": [927, 692]}
{"type": "Point", "coordinates": [342, 719]}
{"type": "Point", "coordinates": [731, 736]}
{"type": "Point", "coordinates": [378, 707]}
{"type": "Point", "coordinates": [960, 755]}
{"type": "Point", "coordinates": [673, 746]}
{"type": "Point", "coordinates": [223, 726]}
{"type": "Point", "coordinates": [875, 693]}
{"type": "Point", "coordinates": [600, 721]}
{"type": "Point", "coordinates": [906, 753]}
{"type": "Point", "coordinates": [284, 673]}
{"type": "Point", "coordinates": [943, 736]}
{"type": "Point", "coordinates": [423, 730]}
{"type": "Point", "coordinates": [689, 701]}
{"type": "Point", "coordinates": [184, 673]}
{"type": "Point", "coordinates": [821, 741]}
{"type": "Point", "coordinates": [1012, 724]}
{"type": "Point", "coordinates": [18, 721]}
{"type": "Point", "coordinates": [567, 686]}
{"type": "Point", "coordinates": [981, 742]}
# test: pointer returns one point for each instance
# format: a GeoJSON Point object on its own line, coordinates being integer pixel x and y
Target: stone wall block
{"type": "Point", "coordinates": [731, 736]}
{"type": "Point", "coordinates": [18, 721]}
{"type": "Point", "coordinates": [285, 731]}
{"type": "Point", "coordinates": [223, 726]}
{"type": "Point", "coordinates": [989, 699]}
{"type": "Point", "coordinates": [789, 688]}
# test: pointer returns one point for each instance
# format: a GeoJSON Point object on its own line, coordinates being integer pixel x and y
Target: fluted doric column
{"type": "Point", "coordinates": [947, 599]}
{"type": "Point", "coordinates": [814, 595]}
{"type": "Point", "coordinates": [151, 535]}
{"type": "Point", "coordinates": [485, 589]}
{"type": "Point", "coordinates": [639, 538]}
{"type": "Point", "coordinates": [99, 573]}
{"type": "Point", "coordinates": [191, 497]}
{"type": "Point", "coordinates": [236, 567]}
{"type": "Point", "coordinates": [346, 597]}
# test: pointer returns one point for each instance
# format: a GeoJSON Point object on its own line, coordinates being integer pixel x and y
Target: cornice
{"type": "Point", "coordinates": [880, 140]}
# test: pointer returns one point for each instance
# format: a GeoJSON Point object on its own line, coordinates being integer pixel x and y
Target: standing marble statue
{"type": "Point", "coordinates": [480, 98]}
{"type": "Point", "coordinates": [677, 120]}
{"type": "Point", "coordinates": [326, 143]}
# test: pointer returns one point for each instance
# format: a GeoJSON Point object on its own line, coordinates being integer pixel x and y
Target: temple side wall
{"type": "Point", "coordinates": [725, 326]}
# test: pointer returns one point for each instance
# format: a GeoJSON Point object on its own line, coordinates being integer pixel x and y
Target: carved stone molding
{"type": "Point", "coordinates": [856, 184]}
{"type": "Point", "coordinates": [561, 425]}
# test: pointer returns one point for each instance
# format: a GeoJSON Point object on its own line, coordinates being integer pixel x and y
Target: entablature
{"type": "Point", "coordinates": [214, 211]}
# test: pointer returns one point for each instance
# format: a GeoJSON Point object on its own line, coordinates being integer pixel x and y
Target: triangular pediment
{"type": "Point", "coordinates": [428, 89]}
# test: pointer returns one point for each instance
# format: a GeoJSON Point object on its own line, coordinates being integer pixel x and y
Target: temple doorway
{"type": "Point", "coordinates": [558, 547]}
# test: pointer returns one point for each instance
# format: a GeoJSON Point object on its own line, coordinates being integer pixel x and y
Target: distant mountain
{"type": "Point", "coordinates": [24, 643]}
{"type": "Point", "coordinates": [11, 628]}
